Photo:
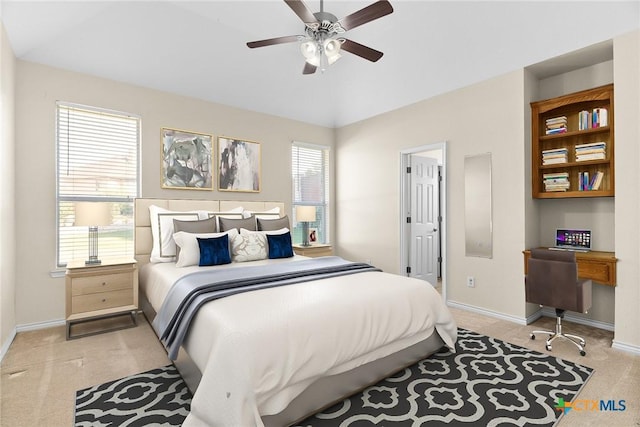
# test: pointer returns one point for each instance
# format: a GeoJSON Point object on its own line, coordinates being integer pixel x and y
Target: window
{"type": "Point", "coordinates": [310, 176]}
{"type": "Point", "coordinates": [97, 161]}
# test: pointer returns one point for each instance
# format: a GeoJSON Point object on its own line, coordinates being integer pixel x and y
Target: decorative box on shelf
{"type": "Point", "coordinates": [96, 291]}
{"type": "Point", "coordinates": [313, 250]}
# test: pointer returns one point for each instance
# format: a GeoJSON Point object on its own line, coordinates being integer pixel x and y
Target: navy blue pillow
{"type": "Point", "coordinates": [214, 250]}
{"type": "Point", "coordinates": [280, 245]}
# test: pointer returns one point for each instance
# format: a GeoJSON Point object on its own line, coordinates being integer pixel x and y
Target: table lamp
{"type": "Point", "coordinates": [93, 215]}
{"type": "Point", "coordinates": [305, 215]}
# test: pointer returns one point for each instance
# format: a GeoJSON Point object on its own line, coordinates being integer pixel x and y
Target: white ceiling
{"type": "Point", "coordinates": [197, 48]}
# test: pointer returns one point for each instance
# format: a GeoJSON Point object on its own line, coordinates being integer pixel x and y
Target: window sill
{"type": "Point", "coordinates": [57, 273]}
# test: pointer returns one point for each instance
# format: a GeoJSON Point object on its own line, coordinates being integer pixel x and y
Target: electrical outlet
{"type": "Point", "coordinates": [471, 281]}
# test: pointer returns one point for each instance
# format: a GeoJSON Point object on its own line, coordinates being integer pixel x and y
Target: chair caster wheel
{"type": "Point", "coordinates": [533, 337]}
{"type": "Point", "coordinates": [548, 347]}
{"type": "Point", "coordinates": [583, 353]}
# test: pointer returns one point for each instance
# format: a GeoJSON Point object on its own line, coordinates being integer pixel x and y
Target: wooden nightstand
{"type": "Point", "coordinates": [313, 250]}
{"type": "Point", "coordinates": [98, 291]}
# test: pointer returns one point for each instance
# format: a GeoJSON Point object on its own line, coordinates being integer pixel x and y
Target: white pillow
{"type": "Point", "coordinates": [189, 248]}
{"type": "Point", "coordinates": [275, 232]}
{"type": "Point", "coordinates": [164, 248]}
{"type": "Point", "coordinates": [237, 213]}
{"type": "Point", "coordinates": [249, 246]}
{"type": "Point", "coordinates": [268, 214]}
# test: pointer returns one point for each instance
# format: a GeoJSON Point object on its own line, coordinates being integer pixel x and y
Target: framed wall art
{"type": "Point", "coordinates": [187, 160]}
{"type": "Point", "coordinates": [239, 165]}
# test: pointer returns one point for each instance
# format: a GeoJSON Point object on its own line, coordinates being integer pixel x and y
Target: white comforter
{"type": "Point", "coordinates": [258, 350]}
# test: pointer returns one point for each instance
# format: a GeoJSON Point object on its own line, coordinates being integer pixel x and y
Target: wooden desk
{"type": "Point", "coordinates": [595, 265]}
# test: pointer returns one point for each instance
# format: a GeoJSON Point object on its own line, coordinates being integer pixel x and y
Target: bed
{"type": "Point", "coordinates": [276, 355]}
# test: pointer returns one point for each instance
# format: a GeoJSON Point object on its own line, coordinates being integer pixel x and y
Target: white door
{"type": "Point", "coordinates": [423, 218]}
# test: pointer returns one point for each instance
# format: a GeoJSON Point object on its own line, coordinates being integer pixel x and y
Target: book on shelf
{"type": "Point", "coordinates": [589, 184]}
{"type": "Point", "coordinates": [555, 151]}
{"type": "Point", "coordinates": [556, 175]}
{"type": "Point", "coordinates": [559, 119]}
{"type": "Point", "coordinates": [556, 125]}
{"type": "Point", "coordinates": [554, 182]}
{"type": "Point", "coordinates": [554, 156]}
{"type": "Point", "coordinates": [556, 131]}
{"type": "Point", "coordinates": [557, 161]}
{"type": "Point", "coordinates": [592, 156]}
{"type": "Point", "coordinates": [597, 181]}
{"type": "Point", "coordinates": [584, 120]}
{"type": "Point", "coordinates": [591, 151]}
{"type": "Point", "coordinates": [599, 117]}
{"type": "Point", "coordinates": [599, 144]}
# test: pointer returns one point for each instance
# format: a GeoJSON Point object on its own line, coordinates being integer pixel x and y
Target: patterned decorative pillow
{"type": "Point", "coordinates": [249, 246]}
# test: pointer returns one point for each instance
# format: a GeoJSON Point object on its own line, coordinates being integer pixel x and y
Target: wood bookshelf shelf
{"type": "Point", "coordinates": [570, 106]}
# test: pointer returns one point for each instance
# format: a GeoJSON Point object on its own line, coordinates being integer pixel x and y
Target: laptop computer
{"type": "Point", "coordinates": [573, 240]}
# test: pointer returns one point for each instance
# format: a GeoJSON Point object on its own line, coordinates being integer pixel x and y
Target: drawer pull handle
{"type": "Point", "coordinates": [104, 283]}
{"type": "Point", "coordinates": [104, 300]}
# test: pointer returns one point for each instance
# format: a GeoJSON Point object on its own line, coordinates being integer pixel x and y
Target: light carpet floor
{"type": "Point", "coordinates": [42, 371]}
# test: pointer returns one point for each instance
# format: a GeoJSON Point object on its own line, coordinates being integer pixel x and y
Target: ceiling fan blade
{"type": "Point", "coordinates": [301, 10]}
{"type": "Point", "coordinates": [361, 50]}
{"type": "Point", "coordinates": [308, 68]}
{"type": "Point", "coordinates": [269, 42]}
{"type": "Point", "coordinates": [367, 14]}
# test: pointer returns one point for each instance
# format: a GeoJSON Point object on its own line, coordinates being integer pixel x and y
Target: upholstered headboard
{"type": "Point", "coordinates": [142, 237]}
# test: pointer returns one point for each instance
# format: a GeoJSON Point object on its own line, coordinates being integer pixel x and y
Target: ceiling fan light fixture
{"type": "Point", "coordinates": [332, 50]}
{"type": "Point", "coordinates": [309, 49]}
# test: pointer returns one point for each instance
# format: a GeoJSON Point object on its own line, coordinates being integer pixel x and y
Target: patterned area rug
{"type": "Point", "coordinates": [485, 382]}
{"type": "Point", "coordinates": [156, 397]}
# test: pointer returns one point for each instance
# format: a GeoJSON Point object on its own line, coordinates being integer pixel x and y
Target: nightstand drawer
{"type": "Point", "coordinates": [102, 300]}
{"type": "Point", "coordinates": [100, 283]}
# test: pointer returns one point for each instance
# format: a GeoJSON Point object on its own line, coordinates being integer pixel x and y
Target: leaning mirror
{"type": "Point", "coordinates": [478, 227]}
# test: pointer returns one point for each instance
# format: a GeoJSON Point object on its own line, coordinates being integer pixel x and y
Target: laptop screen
{"type": "Point", "coordinates": [573, 239]}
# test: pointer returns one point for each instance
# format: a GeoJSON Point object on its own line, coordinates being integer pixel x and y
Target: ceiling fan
{"type": "Point", "coordinates": [322, 41]}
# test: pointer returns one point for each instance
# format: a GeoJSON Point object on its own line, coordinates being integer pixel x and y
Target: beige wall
{"type": "Point", "coordinates": [40, 298]}
{"type": "Point", "coordinates": [368, 213]}
{"type": "Point", "coordinates": [7, 193]}
{"type": "Point", "coordinates": [626, 51]}
{"type": "Point", "coordinates": [485, 117]}
{"type": "Point", "coordinates": [491, 116]}
{"type": "Point", "coordinates": [597, 214]}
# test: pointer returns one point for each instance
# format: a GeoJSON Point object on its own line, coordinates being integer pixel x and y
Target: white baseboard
{"type": "Point", "coordinates": [570, 317]}
{"type": "Point", "coordinates": [40, 325]}
{"type": "Point", "coordinates": [7, 344]}
{"type": "Point", "coordinates": [24, 328]}
{"type": "Point", "coordinates": [489, 313]}
{"type": "Point", "coordinates": [629, 348]}
{"type": "Point", "coordinates": [547, 312]}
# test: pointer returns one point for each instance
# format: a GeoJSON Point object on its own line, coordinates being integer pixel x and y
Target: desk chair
{"type": "Point", "coordinates": [552, 280]}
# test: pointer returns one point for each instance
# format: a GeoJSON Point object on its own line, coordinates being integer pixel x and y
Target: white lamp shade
{"type": "Point", "coordinates": [92, 214]}
{"type": "Point", "coordinates": [332, 47]}
{"type": "Point", "coordinates": [309, 49]}
{"type": "Point", "coordinates": [305, 213]}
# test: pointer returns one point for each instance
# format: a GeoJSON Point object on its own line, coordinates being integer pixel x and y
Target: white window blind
{"type": "Point", "coordinates": [310, 177]}
{"type": "Point", "coordinates": [97, 161]}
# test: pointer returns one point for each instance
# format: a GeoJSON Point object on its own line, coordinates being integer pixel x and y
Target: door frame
{"type": "Point", "coordinates": [405, 203]}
